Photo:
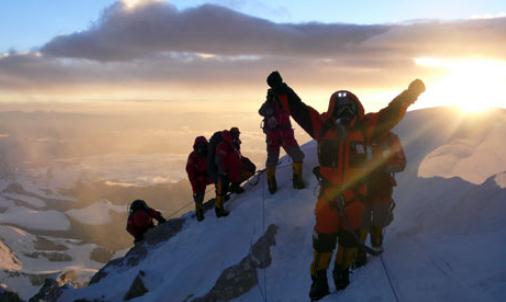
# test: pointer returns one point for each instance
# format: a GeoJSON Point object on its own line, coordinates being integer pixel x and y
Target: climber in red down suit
{"type": "Point", "coordinates": [342, 134]}
{"type": "Point", "coordinates": [140, 219]}
{"type": "Point", "coordinates": [279, 133]}
{"type": "Point", "coordinates": [197, 170]}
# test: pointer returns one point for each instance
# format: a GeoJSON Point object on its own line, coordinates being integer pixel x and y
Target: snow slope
{"type": "Point", "coordinates": [445, 244]}
{"type": "Point", "coordinates": [32, 219]}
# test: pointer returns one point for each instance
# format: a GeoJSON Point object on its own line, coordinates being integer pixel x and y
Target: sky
{"type": "Point", "coordinates": [209, 52]}
{"type": "Point", "coordinates": [26, 24]}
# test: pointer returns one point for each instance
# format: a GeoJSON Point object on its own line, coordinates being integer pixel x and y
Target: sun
{"type": "Point", "coordinates": [473, 85]}
{"type": "Point", "coordinates": [131, 4]}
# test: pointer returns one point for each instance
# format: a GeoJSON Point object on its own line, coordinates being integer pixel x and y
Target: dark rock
{"type": "Point", "coordinates": [44, 244]}
{"type": "Point", "coordinates": [241, 278]}
{"type": "Point", "coordinates": [8, 296]}
{"type": "Point", "coordinates": [50, 291]}
{"type": "Point", "coordinates": [137, 288]}
{"type": "Point", "coordinates": [51, 256]}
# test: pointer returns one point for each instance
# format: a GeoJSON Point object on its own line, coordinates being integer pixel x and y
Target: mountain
{"type": "Point", "coordinates": [445, 244]}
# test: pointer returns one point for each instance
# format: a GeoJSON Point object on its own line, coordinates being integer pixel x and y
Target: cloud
{"type": "Point", "coordinates": [152, 43]}
{"type": "Point", "coordinates": [160, 27]}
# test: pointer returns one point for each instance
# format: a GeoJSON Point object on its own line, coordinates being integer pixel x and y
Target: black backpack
{"type": "Point", "coordinates": [214, 141]}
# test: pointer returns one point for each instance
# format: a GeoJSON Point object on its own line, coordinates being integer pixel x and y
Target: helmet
{"type": "Point", "coordinates": [345, 108]}
{"type": "Point", "coordinates": [200, 144]}
{"type": "Point", "coordinates": [235, 132]}
{"type": "Point", "coordinates": [138, 204]}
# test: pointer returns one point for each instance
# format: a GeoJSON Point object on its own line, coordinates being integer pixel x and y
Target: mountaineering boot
{"type": "Point", "coordinates": [320, 286]}
{"type": "Point", "coordinates": [199, 212]}
{"type": "Point", "coordinates": [218, 207]}
{"type": "Point", "coordinates": [236, 188]}
{"type": "Point", "coordinates": [298, 182]}
{"type": "Point", "coordinates": [361, 256]}
{"type": "Point", "coordinates": [361, 259]}
{"type": "Point", "coordinates": [271, 180]}
{"type": "Point", "coordinates": [198, 197]}
{"type": "Point", "coordinates": [341, 277]}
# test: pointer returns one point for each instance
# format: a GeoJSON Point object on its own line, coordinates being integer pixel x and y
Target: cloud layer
{"type": "Point", "coordinates": [155, 43]}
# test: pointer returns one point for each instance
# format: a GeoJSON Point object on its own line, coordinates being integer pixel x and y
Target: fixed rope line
{"type": "Point", "coordinates": [186, 205]}
{"type": "Point", "coordinates": [263, 231]}
{"type": "Point", "coordinates": [180, 209]}
{"type": "Point", "coordinates": [389, 279]}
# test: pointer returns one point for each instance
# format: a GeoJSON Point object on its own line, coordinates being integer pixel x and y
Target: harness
{"type": "Point", "coordinates": [345, 153]}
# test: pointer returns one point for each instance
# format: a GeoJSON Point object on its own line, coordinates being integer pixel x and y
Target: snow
{"type": "Point", "coordinates": [32, 219]}
{"type": "Point", "coordinates": [30, 200]}
{"type": "Point", "coordinates": [500, 180]}
{"type": "Point", "coordinates": [445, 244]}
{"type": "Point", "coordinates": [21, 242]}
{"type": "Point", "coordinates": [7, 260]}
{"type": "Point", "coordinates": [475, 157]}
{"type": "Point", "coordinates": [97, 213]}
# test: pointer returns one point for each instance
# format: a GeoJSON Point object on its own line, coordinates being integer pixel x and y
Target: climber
{"type": "Point", "coordinates": [248, 168]}
{"type": "Point", "coordinates": [196, 168]}
{"type": "Point", "coordinates": [230, 171]}
{"type": "Point", "coordinates": [279, 133]}
{"type": "Point", "coordinates": [140, 219]}
{"type": "Point", "coordinates": [388, 158]}
{"type": "Point", "coordinates": [342, 134]}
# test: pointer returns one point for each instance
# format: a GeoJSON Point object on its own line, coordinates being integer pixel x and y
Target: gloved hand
{"type": "Point", "coordinates": [274, 80]}
{"type": "Point", "coordinates": [161, 220]}
{"type": "Point", "coordinates": [416, 88]}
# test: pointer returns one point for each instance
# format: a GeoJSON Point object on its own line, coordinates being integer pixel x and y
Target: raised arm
{"type": "Point", "coordinates": [381, 122]}
{"type": "Point", "coordinates": [306, 116]}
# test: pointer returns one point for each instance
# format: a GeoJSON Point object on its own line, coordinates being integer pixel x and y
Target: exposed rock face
{"type": "Point", "coordinates": [43, 244]}
{"type": "Point", "coordinates": [137, 288]}
{"type": "Point", "coordinates": [7, 296]}
{"type": "Point", "coordinates": [161, 233]}
{"type": "Point", "coordinates": [51, 256]}
{"type": "Point", "coordinates": [8, 260]}
{"type": "Point", "coordinates": [50, 291]}
{"type": "Point", "coordinates": [240, 278]}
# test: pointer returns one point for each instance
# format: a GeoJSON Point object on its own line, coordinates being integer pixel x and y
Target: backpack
{"type": "Point", "coordinates": [214, 141]}
{"type": "Point", "coordinates": [391, 153]}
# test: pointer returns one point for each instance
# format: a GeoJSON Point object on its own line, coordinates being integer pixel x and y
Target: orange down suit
{"type": "Point", "coordinates": [343, 154]}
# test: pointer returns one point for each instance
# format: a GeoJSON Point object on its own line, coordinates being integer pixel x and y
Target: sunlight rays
{"type": "Point", "coordinates": [474, 85]}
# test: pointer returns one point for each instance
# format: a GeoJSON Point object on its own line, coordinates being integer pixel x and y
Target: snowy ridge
{"type": "Point", "coordinates": [445, 244]}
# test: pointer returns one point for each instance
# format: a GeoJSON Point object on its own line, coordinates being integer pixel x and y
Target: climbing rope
{"type": "Point", "coordinates": [191, 203]}
{"type": "Point", "coordinates": [263, 231]}
{"type": "Point", "coordinates": [389, 278]}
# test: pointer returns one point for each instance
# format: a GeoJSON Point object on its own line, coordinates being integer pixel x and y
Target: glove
{"type": "Point", "coordinates": [416, 88]}
{"type": "Point", "coordinates": [161, 220]}
{"type": "Point", "coordinates": [274, 80]}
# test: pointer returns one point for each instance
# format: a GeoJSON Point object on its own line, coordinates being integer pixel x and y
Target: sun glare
{"type": "Point", "coordinates": [131, 4]}
{"type": "Point", "coordinates": [473, 85]}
